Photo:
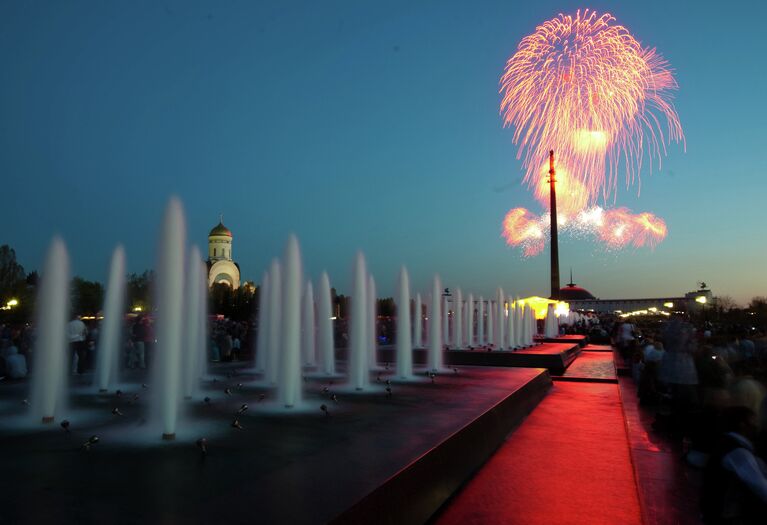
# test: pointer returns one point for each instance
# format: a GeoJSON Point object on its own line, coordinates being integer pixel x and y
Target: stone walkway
{"type": "Point", "coordinates": [587, 454]}
{"type": "Point", "coordinates": [568, 463]}
{"type": "Point", "coordinates": [591, 365]}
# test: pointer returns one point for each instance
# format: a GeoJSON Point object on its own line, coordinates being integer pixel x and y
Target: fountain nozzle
{"type": "Point", "coordinates": [91, 441]}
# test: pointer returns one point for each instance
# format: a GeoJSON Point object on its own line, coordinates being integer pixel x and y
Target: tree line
{"type": "Point", "coordinates": [87, 297]}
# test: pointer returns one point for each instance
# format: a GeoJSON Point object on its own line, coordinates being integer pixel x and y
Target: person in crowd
{"type": "Point", "coordinates": [215, 351]}
{"type": "Point", "coordinates": [625, 339]}
{"type": "Point", "coordinates": [78, 333]}
{"type": "Point", "coordinates": [747, 392]}
{"type": "Point", "coordinates": [137, 357]}
{"type": "Point", "coordinates": [92, 343]}
{"type": "Point", "coordinates": [678, 367]}
{"type": "Point", "coordinates": [147, 332]}
{"type": "Point", "coordinates": [225, 344]}
{"type": "Point", "coordinates": [735, 482]}
{"type": "Point", "coordinates": [13, 365]}
{"type": "Point", "coordinates": [236, 344]}
{"type": "Point", "coordinates": [649, 390]}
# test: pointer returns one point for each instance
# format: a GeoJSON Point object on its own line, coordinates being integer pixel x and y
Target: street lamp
{"type": "Point", "coordinates": [701, 299]}
{"type": "Point", "coordinates": [10, 304]}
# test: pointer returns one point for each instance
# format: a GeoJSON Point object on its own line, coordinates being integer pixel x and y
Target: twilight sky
{"type": "Point", "coordinates": [358, 125]}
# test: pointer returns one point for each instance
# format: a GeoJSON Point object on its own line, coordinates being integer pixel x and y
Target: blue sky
{"type": "Point", "coordinates": [357, 125]}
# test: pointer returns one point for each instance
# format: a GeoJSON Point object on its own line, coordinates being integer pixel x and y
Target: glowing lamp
{"type": "Point", "coordinates": [668, 305]}
{"type": "Point", "coordinates": [540, 305]}
{"type": "Point", "coordinates": [701, 299]}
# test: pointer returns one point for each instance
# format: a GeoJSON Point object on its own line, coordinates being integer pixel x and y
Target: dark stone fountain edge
{"type": "Point", "coordinates": [420, 488]}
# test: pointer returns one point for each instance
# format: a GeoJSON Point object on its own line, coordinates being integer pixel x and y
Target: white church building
{"type": "Point", "coordinates": [221, 267]}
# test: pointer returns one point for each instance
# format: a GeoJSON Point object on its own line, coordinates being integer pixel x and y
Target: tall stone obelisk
{"type": "Point", "coordinates": [554, 234]}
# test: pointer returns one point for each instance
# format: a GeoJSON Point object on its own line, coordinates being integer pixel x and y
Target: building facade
{"type": "Point", "coordinates": [221, 266]}
{"type": "Point", "coordinates": [689, 302]}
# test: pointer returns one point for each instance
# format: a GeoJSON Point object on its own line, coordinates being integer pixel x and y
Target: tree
{"type": "Point", "coordinates": [725, 303]}
{"type": "Point", "coordinates": [386, 307]}
{"type": "Point", "coordinates": [32, 278]}
{"type": "Point", "coordinates": [220, 299]}
{"type": "Point", "coordinates": [758, 303]}
{"type": "Point", "coordinates": [139, 289]}
{"type": "Point", "coordinates": [11, 274]}
{"type": "Point", "coordinates": [243, 305]}
{"type": "Point", "coordinates": [758, 311]}
{"type": "Point", "coordinates": [87, 296]}
{"type": "Point", "coordinates": [340, 305]}
{"type": "Point", "coordinates": [238, 304]}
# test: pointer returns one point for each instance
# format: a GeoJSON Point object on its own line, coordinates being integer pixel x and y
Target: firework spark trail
{"type": "Point", "coordinates": [621, 228]}
{"type": "Point", "coordinates": [523, 228]}
{"type": "Point", "coordinates": [616, 228]}
{"type": "Point", "coordinates": [585, 87]}
{"type": "Point", "coordinates": [588, 90]}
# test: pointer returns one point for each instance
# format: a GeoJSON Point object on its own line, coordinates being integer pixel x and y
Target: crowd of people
{"type": "Point", "coordinates": [227, 341]}
{"type": "Point", "coordinates": [706, 384]}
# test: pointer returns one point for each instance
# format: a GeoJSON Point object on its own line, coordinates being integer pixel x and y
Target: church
{"type": "Point", "coordinates": [221, 267]}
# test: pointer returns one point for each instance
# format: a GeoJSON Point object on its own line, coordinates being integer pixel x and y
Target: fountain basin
{"type": "Point", "coordinates": [385, 459]}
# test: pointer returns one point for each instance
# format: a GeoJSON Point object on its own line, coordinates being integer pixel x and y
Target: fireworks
{"type": "Point", "coordinates": [583, 86]}
{"type": "Point", "coordinates": [616, 228]}
{"type": "Point", "coordinates": [521, 227]}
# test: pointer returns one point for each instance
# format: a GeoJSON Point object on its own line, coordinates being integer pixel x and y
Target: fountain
{"type": "Point", "coordinates": [327, 347]}
{"type": "Point", "coordinates": [170, 293]}
{"type": "Point", "coordinates": [434, 362]}
{"type": "Point", "coordinates": [191, 344]}
{"type": "Point", "coordinates": [52, 356]}
{"type": "Point", "coordinates": [201, 351]}
{"type": "Point", "coordinates": [263, 324]}
{"type": "Point", "coordinates": [510, 332]}
{"type": "Point", "coordinates": [445, 321]}
{"type": "Point", "coordinates": [418, 322]}
{"type": "Point", "coordinates": [481, 322]}
{"type": "Point", "coordinates": [551, 325]}
{"type": "Point", "coordinates": [358, 338]}
{"type": "Point", "coordinates": [404, 345]}
{"type": "Point", "coordinates": [458, 320]}
{"type": "Point", "coordinates": [470, 320]}
{"type": "Point", "coordinates": [518, 320]}
{"type": "Point", "coordinates": [275, 315]}
{"type": "Point", "coordinates": [529, 325]}
{"type": "Point", "coordinates": [499, 319]}
{"type": "Point", "coordinates": [232, 417]}
{"type": "Point", "coordinates": [289, 386]}
{"type": "Point", "coordinates": [532, 325]}
{"type": "Point", "coordinates": [372, 326]}
{"type": "Point", "coordinates": [490, 323]}
{"type": "Point", "coordinates": [308, 343]}
{"type": "Point", "coordinates": [111, 329]}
